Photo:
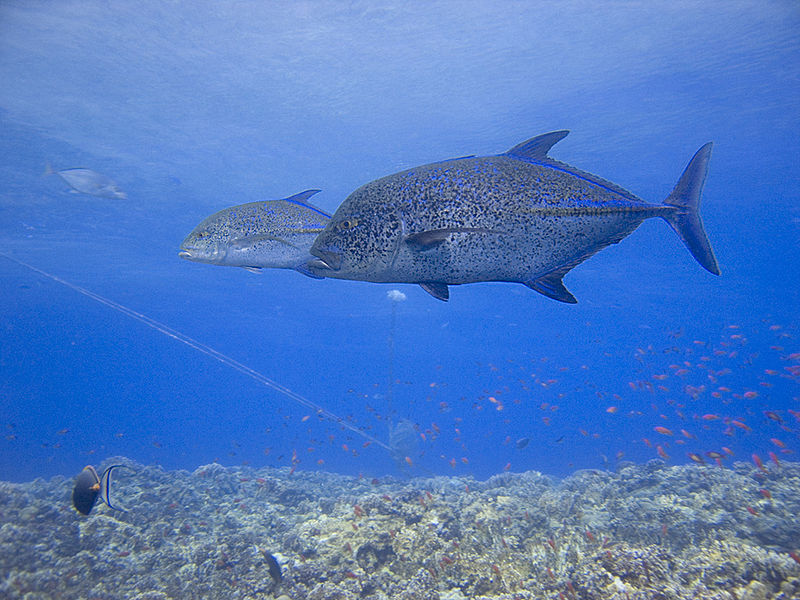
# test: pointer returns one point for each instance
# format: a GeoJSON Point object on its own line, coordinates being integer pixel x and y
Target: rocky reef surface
{"type": "Point", "coordinates": [645, 531]}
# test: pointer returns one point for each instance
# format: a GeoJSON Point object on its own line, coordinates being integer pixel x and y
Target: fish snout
{"type": "Point", "coordinates": [327, 259]}
{"type": "Point", "coordinates": [203, 252]}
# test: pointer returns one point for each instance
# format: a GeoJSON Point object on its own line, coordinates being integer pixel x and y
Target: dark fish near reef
{"type": "Point", "coordinates": [89, 182]}
{"type": "Point", "coordinates": [89, 487]}
{"type": "Point", "coordinates": [519, 216]}
{"type": "Point", "coordinates": [273, 566]}
{"type": "Point", "coordinates": [273, 234]}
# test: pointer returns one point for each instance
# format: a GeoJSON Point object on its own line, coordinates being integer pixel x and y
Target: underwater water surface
{"type": "Point", "coordinates": [192, 111]}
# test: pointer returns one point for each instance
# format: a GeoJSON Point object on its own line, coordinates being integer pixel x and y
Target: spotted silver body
{"type": "Point", "coordinates": [270, 234]}
{"type": "Point", "coordinates": [519, 216]}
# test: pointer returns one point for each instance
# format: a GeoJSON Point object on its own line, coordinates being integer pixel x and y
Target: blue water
{"type": "Point", "coordinates": [191, 111]}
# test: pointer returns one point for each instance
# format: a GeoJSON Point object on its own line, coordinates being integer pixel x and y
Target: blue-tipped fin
{"type": "Point", "coordinates": [301, 199]}
{"type": "Point", "coordinates": [685, 220]}
{"type": "Point", "coordinates": [537, 147]}
{"type": "Point", "coordinates": [552, 286]}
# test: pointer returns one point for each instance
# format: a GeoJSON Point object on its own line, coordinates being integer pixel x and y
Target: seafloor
{"type": "Point", "coordinates": [646, 531]}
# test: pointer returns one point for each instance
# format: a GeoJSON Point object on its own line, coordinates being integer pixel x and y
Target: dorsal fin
{"type": "Point", "coordinates": [537, 147]}
{"type": "Point", "coordinates": [105, 486]}
{"type": "Point", "coordinates": [301, 199]}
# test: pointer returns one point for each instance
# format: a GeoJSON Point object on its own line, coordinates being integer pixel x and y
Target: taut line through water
{"type": "Point", "coordinates": [205, 349]}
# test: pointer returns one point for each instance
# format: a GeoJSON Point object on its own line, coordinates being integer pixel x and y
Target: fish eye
{"type": "Point", "coordinates": [202, 234]}
{"type": "Point", "coordinates": [348, 223]}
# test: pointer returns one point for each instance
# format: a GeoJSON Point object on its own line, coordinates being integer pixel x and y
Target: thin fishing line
{"type": "Point", "coordinates": [205, 349]}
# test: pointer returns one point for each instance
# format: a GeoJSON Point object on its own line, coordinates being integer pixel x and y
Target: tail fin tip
{"type": "Point", "coordinates": [685, 197]}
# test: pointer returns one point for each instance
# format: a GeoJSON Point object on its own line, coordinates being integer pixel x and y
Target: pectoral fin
{"type": "Point", "coordinates": [438, 290]}
{"type": "Point", "coordinates": [425, 240]}
{"type": "Point", "coordinates": [251, 241]}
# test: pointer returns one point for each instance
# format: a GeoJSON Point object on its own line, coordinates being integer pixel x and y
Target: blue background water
{"type": "Point", "coordinates": [191, 110]}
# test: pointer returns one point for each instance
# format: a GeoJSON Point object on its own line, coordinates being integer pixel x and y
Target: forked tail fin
{"type": "Point", "coordinates": [685, 197]}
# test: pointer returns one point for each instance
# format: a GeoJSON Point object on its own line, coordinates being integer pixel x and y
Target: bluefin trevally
{"type": "Point", "coordinates": [519, 216]}
{"type": "Point", "coordinates": [89, 182]}
{"type": "Point", "coordinates": [269, 234]}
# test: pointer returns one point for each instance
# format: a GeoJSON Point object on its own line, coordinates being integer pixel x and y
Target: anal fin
{"type": "Point", "coordinates": [552, 286]}
{"type": "Point", "coordinates": [440, 291]}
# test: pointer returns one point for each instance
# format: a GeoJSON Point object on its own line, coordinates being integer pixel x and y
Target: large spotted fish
{"type": "Point", "coordinates": [273, 234]}
{"type": "Point", "coordinates": [519, 216]}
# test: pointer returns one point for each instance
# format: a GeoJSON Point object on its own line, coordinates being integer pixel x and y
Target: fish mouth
{"type": "Point", "coordinates": [184, 253]}
{"type": "Point", "coordinates": [327, 260]}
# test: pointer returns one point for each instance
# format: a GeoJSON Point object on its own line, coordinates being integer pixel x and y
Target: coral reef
{"type": "Point", "coordinates": [646, 531]}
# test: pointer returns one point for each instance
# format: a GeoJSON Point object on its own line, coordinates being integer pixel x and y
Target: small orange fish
{"type": "Point", "coordinates": [661, 452]}
{"type": "Point", "coordinates": [758, 462]}
{"type": "Point", "coordinates": [662, 430]}
{"type": "Point", "coordinates": [696, 458]}
{"type": "Point", "coordinates": [740, 425]}
{"type": "Point", "coordinates": [774, 458]}
{"type": "Point", "coordinates": [777, 442]}
{"type": "Point", "coordinates": [612, 409]}
{"type": "Point", "coordinates": [409, 461]}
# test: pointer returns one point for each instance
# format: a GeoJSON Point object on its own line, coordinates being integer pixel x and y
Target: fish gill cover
{"type": "Point", "coordinates": [172, 115]}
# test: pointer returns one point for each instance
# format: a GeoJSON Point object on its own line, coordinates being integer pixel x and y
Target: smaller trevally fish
{"type": "Point", "coordinates": [89, 486]}
{"type": "Point", "coordinates": [275, 234]}
{"type": "Point", "coordinates": [89, 182]}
